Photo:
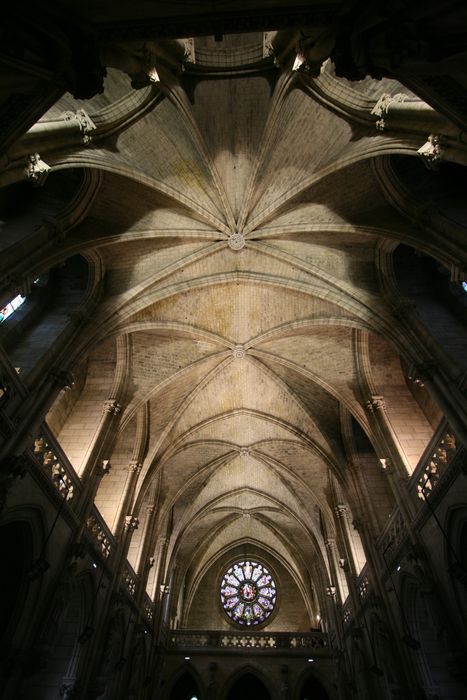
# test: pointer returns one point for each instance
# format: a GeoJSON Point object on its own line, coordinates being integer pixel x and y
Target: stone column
{"type": "Point", "coordinates": [33, 411]}
{"type": "Point", "coordinates": [396, 112]}
{"type": "Point", "coordinates": [161, 557]}
{"type": "Point", "coordinates": [399, 489]}
{"type": "Point", "coordinates": [144, 563]}
{"type": "Point", "coordinates": [348, 565]}
{"type": "Point", "coordinates": [130, 524]}
{"type": "Point", "coordinates": [100, 442]}
{"type": "Point", "coordinates": [376, 409]}
{"type": "Point", "coordinates": [133, 471]}
{"type": "Point", "coordinates": [331, 551]}
{"type": "Point", "coordinates": [73, 129]}
{"type": "Point", "coordinates": [445, 393]}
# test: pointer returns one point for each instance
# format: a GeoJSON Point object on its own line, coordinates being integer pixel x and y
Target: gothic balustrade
{"type": "Point", "coordinates": [281, 642]}
{"type": "Point", "coordinates": [433, 464]}
{"type": "Point", "coordinates": [100, 533]}
{"type": "Point", "coordinates": [347, 615]}
{"type": "Point", "coordinates": [392, 538]}
{"type": "Point", "coordinates": [148, 608]}
{"type": "Point", "coordinates": [129, 579]}
{"type": "Point", "coordinates": [363, 584]}
{"type": "Point", "coordinates": [53, 461]}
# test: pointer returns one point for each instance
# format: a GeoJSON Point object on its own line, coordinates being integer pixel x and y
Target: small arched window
{"type": "Point", "coordinates": [11, 307]}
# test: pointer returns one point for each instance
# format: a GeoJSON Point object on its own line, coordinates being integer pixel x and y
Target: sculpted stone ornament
{"type": "Point", "coordinates": [386, 465]}
{"type": "Point", "coordinates": [36, 169]}
{"type": "Point", "coordinates": [236, 241]}
{"type": "Point", "coordinates": [238, 352]}
{"type": "Point", "coordinates": [189, 56]}
{"type": "Point", "coordinates": [381, 108]}
{"type": "Point", "coordinates": [84, 123]}
{"type": "Point", "coordinates": [105, 466]}
{"type": "Point", "coordinates": [431, 152]}
{"type": "Point", "coordinates": [111, 406]}
{"type": "Point", "coordinates": [268, 49]}
{"type": "Point", "coordinates": [341, 510]}
{"type": "Point", "coordinates": [375, 403]}
{"type": "Point", "coordinates": [134, 466]}
{"type": "Point", "coordinates": [131, 523]}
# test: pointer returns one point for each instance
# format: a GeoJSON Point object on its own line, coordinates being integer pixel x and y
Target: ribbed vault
{"type": "Point", "coordinates": [238, 221]}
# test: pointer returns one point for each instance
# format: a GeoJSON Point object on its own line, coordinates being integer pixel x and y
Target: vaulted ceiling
{"type": "Point", "coordinates": [237, 218]}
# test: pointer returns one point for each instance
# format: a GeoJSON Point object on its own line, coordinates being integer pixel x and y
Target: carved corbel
{"type": "Point", "coordinates": [341, 510]}
{"type": "Point", "coordinates": [131, 523]}
{"type": "Point", "coordinates": [105, 466]}
{"type": "Point", "coordinates": [386, 465]}
{"type": "Point", "coordinates": [189, 56]}
{"type": "Point", "coordinates": [36, 169]}
{"type": "Point", "coordinates": [431, 152]}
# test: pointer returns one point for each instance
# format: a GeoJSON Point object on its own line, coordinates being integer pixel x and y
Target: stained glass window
{"type": "Point", "coordinates": [11, 307]}
{"type": "Point", "coordinates": [248, 593]}
{"type": "Point", "coordinates": [464, 286]}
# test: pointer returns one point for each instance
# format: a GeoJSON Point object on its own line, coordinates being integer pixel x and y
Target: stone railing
{"type": "Point", "coordinates": [433, 463]}
{"type": "Point", "coordinates": [148, 608]}
{"type": "Point", "coordinates": [347, 615]}
{"type": "Point", "coordinates": [363, 584]}
{"type": "Point", "coordinates": [282, 642]}
{"type": "Point", "coordinates": [392, 537]}
{"type": "Point", "coordinates": [432, 467]}
{"type": "Point", "coordinates": [100, 533]}
{"type": "Point", "coordinates": [53, 461]}
{"type": "Point", "coordinates": [129, 579]}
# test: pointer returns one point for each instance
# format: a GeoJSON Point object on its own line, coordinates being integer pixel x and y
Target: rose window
{"type": "Point", "coordinates": [248, 593]}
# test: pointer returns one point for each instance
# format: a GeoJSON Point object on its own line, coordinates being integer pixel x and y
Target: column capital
{"type": "Point", "coordinates": [381, 108]}
{"type": "Point", "coordinates": [131, 523]}
{"type": "Point", "coordinates": [134, 466]}
{"type": "Point", "coordinates": [375, 403]}
{"type": "Point", "coordinates": [111, 406]}
{"type": "Point", "coordinates": [331, 591]}
{"type": "Point", "coordinates": [330, 542]}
